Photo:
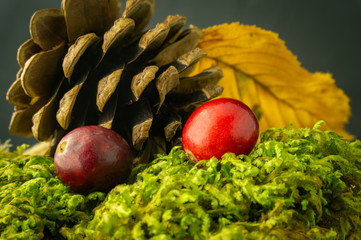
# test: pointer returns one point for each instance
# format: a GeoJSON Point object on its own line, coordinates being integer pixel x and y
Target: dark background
{"type": "Point", "coordinates": [325, 35]}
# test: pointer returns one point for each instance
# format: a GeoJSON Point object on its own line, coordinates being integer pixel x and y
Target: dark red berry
{"type": "Point", "coordinates": [92, 158]}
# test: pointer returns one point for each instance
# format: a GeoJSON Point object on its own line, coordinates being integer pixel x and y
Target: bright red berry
{"type": "Point", "coordinates": [220, 126]}
{"type": "Point", "coordinates": [92, 158]}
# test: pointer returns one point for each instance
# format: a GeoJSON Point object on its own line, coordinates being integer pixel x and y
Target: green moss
{"type": "Point", "coordinates": [295, 184]}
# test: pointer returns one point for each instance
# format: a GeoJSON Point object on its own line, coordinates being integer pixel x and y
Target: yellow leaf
{"type": "Point", "coordinates": [260, 71]}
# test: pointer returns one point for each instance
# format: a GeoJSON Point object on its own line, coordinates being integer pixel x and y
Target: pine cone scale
{"type": "Point", "coordinates": [107, 116]}
{"type": "Point", "coordinates": [44, 123]}
{"type": "Point", "coordinates": [47, 28]}
{"type": "Point", "coordinates": [176, 24]}
{"type": "Point", "coordinates": [76, 51]}
{"type": "Point", "coordinates": [141, 11]}
{"type": "Point", "coordinates": [165, 82]}
{"type": "Point", "coordinates": [140, 120]}
{"type": "Point", "coordinates": [26, 50]}
{"type": "Point", "coordinates": [17, 96]}
{"type": "Point", "coordinates": [185, 43]}
{"type": "Point", "coordinates": [42, 71]}
{"type": "Point", "coordinates": [106, 88]}
{"type": "Point", "coordinates": [198, 82]}
{"type": "Point", "coordinates": [141, 81]}
{"type": "Point", "coordinates": [21, 120]}
{"type": "Point", "coordinates": [84, 17]}
{"type": "Point", "coordinates": [119, 33]}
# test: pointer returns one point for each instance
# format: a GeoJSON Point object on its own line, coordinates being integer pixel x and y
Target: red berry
{"type": "Point", "coordinates": [220, 126]}
{"type": "Point", "coordinates": [92, 158]}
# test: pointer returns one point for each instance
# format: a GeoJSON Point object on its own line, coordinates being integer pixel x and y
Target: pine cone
{"type": "Point", "coordinates": [89, 63]}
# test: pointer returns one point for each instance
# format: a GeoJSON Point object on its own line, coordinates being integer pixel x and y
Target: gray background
{"type": "Point", "coordinates": [325, 35]}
